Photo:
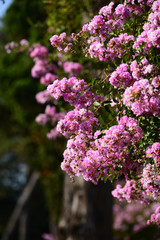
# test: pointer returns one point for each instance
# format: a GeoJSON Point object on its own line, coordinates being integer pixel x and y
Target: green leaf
{"type": "Point", "coordinates": [106, 178]}
{"type": "Point", "coordinates": [113, 177]}
{"type": "Point", "coordinates": [96, 104]}
{"type": "Point", "coordinates": [107, 102]}
{"type": "Point", "coordinates": [107, 108]}
{"type": "Point", "coordinates": [101, 121]}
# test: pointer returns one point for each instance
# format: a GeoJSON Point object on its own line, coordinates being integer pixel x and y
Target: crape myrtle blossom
{"type": "Point", "coordinates": [24, 42]}
{"type": "Point", "coordinates": [122, 12]}
{"type": "Point", "coordinates": [121, 76]}
{"type": "Point", "coordinates": [115, 143]}
{"type": "Point", "coordinates": [53, 134]}
{"type": "Point", "coordinates": [131, 218]}
{"type": "Point", "coordinates": [125, 75]}
{"type": "Point", "coordinates": [40, 68]}
{"type": "Point", "coordinates": [74, 91]}
{"type": "Point", "coordinates": [19, 47]}
{"type": "Point", "coordinates": [102, 26]}
{"type": "Point", "coordinates": [50, 115]}
{"type": "Point", "coordinates": [151, 181]}
{"type": "Point", "coordinates": [109, 20]}
{"type": "Point", "coordinates": [144, 190]}
{"type": "Point", "coordinates": [66, 86]}
{"type": "Point", "coordinates": [133, 7]}
{"type": "Point", "coordinates": [126, 38]}
{"type": "Point", "coordinates": [91, 156]}
{"type": "Point", "coordinates": [139, 71]}
{"type": "Point", "coordinates": [72, 68]}
{"type": "Point", "coordinates": [130, 191]}
{"type": "Point", "coordinates": [44, 97]}
{"type": "Point", "coordinates": [142, 98]}
{"type": "Point", "coordinates": [156, 82]}
{"type": "Point", "coordinates": [153, 151]}
{"type": "Point", "coordinates": [38, 51]}
{"type": "Point", "coordinates": [57, 41]}
{"type": "Point", "coordinates": [78, 121]}
{"type": "Point", "coordinates": [150, 35]}
{"type": "Point", "coordinates": [155, 217]}
{"type": "Point", "coordinates": [48, 78]}
{"type": "Point", "coordinates": [48, 236]}
{"type": "Point", "coordinates": [107, 11]}
{"type": "Point", "coordinates": [138, 7]}
{"type": "Point", "coordinates": [116, 47]}
{"type": "Point", "coordinates": [156, 6]}
{"type": "Point", "coordinates": [9, 47]}
{"type": "Point", "coordinates": [96, 49]}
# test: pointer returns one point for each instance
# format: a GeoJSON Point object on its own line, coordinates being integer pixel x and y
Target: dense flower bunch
{"type": "Point", "coordinates": [42, 66]}
{"type": "Point", "coordinates": [70, 88]}
{"type": "Point", "coordinates": [155, 217]}
{"type": "Point", "coordinates": [72, 68]}
{"type": "Point", "coordinates": [51, 116]}
{"type": "Point", "coordinates": [94, 156]}
{"type": "Point", "coordinates": [142, 97]}
{"type": "Point", "coordinates": [131, 219]}
{"type": "Point", "coordinates": [74, 91]}
{"type": "Point", "coordinates": [154, 152]}
{"type": "Point", "coordinates": [14, 46]}
{"type": "Point", "coordinates": [126, 38]}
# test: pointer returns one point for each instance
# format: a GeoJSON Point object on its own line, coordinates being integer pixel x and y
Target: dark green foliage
{"type": "Point", "coordinates": [25, 19]}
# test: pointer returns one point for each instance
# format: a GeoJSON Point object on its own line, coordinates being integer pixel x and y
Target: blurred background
{"type": "Point", "coordinates": [37, 200]}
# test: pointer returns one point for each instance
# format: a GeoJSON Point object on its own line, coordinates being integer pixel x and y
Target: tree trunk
{"type": "Point", "coordinates": [87, 211]}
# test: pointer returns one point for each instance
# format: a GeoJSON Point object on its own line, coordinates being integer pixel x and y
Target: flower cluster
{"type": "Point", "coordinates": [155, 217]}
{"type": "Point", "coordinates": [74, 91]}
{"type": "Point", "coordinates": [104, 155]}
{"type": "Point", "coordinates": [131, 218]}
{"type": "Point", "coordinates": [58, 40]}
{"type": "Point", "coordinates": [121, 77]}
{"type": "Point", "coordinates": [116, 47]}
{"type": "Point", "coordinates": [12, 46]}
{"type": "Point", "coordinates": [151, 181]}
{"type": "Point", "coordinates": [108, 20]}
{"type": "Point", "coordinates": [142, 98]}
{"type": "Point", "coordinates": [44, 97]}
{"type": "Point", "coordinates": [42, 66]}
{"type": "Point", "coordinates": [51, 116]}
{"type": "Point", "coordinates": [72, 68]}
{"type": "Point", "coordinates": [129, 192]}
{"type": "Point", "coordinates": [78, 122]}
{"type": "Point", "coordinates": [154, 152]}
{"type": "Point", "coordinates": [38, 51]}
{"type": "Point", "coordinates": [150, 35]}
{"type": "Point", "coordinates": [145, 189]}
{"type": "Point", "coordinates": [48, 78]}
